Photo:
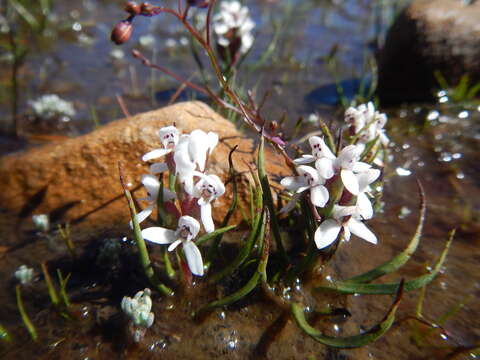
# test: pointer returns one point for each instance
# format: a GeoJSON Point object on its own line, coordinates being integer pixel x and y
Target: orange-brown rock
{"type": "Point", "coordinates": [79, 178]}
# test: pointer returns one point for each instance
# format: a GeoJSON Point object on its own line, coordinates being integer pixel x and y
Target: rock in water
{"type": "Point", "coordinates": [78, 179]}
{"type": "Point", "coordinates": [429, 36]}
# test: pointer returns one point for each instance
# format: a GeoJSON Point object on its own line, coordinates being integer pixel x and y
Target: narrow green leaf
{"type": "Point", "coordinates": [390, 288]}
{"type": "Point", "coordinates": [398, 261]}
{"type": "Point", "coordinates": [328, 137]}
{"type": "Point", "coordinates": [25, 14]}
{"type": "Point", "coordinates": [206, 237]}
{"type": "Point", "coordinates": [142, 247]}
{"type": "Point", "coordinates": [63, 288]}
{"type": "Point", "coordinates": [26, 320]}
{"type": "Point", "coordinates": [244, 251]}
{"type": "Point", "coordinates": [52, 292]}
{"type": "Point", "coordinates": [350, 341]}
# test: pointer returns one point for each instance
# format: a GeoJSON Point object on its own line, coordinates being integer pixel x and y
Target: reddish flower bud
{"type": "Point", "coordinates": [132, 8]}
{"type": "Point", "coordinates": [146, 9]}
{"type": "Point", "coordinates": [121, 32]}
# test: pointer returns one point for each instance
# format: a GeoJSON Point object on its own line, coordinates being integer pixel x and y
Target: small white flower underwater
{"type": "Point", "coordinates": [186, 157]}
{"type": "Point", "coordinates": [233, 22]}
{"type": "Point", "coordinates": [138, 308]}
{"type": "Point", "coordinates": [24, 274]}
{"type": "Point", "coordinates": [52, 106]}
{"type": "Point", "coordinates": [345, 172]}
{"type": "Point", "coordinates": [41, 222]}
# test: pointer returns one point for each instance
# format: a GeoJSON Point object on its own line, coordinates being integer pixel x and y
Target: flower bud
{"type": "Point", "coordinates": [132, 8]}
{"type": "Point", "coordinates": [146, 9]}
{"type": "Point", "coordinates": [121, 32]}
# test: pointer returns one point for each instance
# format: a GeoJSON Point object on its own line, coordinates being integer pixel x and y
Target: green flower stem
{"type": "Point", "coordinates": [52, 292]}
{"type": "Point", "coordinates": [351, 341]}
{"type": "Point", "coordinates": [328, 137]}
{"type": "Point", "coordinates": [267, 197]}
{"type": "Point", "coordinates": [142, 249]}
{"type": "Point", "coordinates": [398, 261]}
{"type": "Point", "coordinates": [26, 320]}
{"type": "Point", "coordinates": [345, 287]}
{"type": "Point", "coordinates": [4, 335]}
{"type": "Point", "coordinates": [214, 234]}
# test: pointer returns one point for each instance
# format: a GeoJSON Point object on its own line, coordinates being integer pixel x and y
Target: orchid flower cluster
{"type": "Point", "coordinates": [186, 158]}
{"type": "Point", "coordinates": [339, 185]}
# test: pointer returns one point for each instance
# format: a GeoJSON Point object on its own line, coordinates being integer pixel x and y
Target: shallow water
{"type": "Point", "coordinates": [440, 152]}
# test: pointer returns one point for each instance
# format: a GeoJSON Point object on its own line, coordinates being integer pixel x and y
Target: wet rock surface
{"type": "Point", "coordinates": [429, 36]}
{"type": "Point", "coordinates": [77, 179]}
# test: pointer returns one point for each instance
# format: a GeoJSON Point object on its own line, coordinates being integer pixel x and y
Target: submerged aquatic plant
{"type": "Point", "coordinates": [138, 310]}
{"type": "Point", "coordinates": [24, 274]}
{"type": "Point", "coordinates": [330, 192]}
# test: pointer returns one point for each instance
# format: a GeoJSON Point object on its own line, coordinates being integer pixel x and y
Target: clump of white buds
{"type": "Point", "coordinates": [41, 222]}
{"type": "Point", "coordinates": [24, 274]}
{"type": "Point", "coordinates": [138, 309]}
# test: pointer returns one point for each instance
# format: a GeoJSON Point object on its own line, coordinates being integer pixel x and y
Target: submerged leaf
{"type": "Point", "coordinates": [348, 287]}
{"type": "Point", "coordinates": [350, 341]}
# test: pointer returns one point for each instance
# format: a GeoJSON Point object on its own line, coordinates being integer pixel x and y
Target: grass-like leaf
{"type": "Point", "coordinates": [52, 292]}
{"type": "Point", "coordinates": [398, 261]}
{"type": "Point", "coordinates": [206, 237]}
{"type": "Point", "coordinates": [345, 287]}
{"type": "Point", "coordinates": [140, 242]}
{"type": "Point", "coordinates": [350, 341]}
{"type": "Point", "coordinates": [26, 320]}
{"type": "Point", "coordinates": [244, 251]}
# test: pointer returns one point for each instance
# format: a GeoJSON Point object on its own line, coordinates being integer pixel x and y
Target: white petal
{"type": "Point", "coordinates": [305, 159]}
{"type": "Point", "coordinates": [158, 168]}
{"type": "Point", "coordinates": [302, 189]}
{"type": "Point", "coordinates": [361, 166]}
{"type": "Point", "coordinates": [206, 216]}
{"type": "Point", "coordinates": [198, 145]}
{"type": "Point", "coordinates": [155, 154]}
{"type": "Point", "coordinates": [152, 184]}
{"type": "Point", "coordinates": [360, 229]}
{"type": "Point", "coordinates": [327, 233]}
{"type": "Point", "coordinates": [367, 177]}
{"type": "Point", "coordinates": [194, 258]}
{"type": "Point", "coordinates": [290, 183]}
{"type": "Point", "coordinates": [346, 233]}
{"type": "Point", "coordinates": [145, 213]}
{"type": "Point", "coordinates": [291, 204]}
{"type": "Point", "coordinates": [308, 173]}
{"type": "Point", "coordinates": [158, 235]}
{"type": "Point", "coordinates": [168, 195]}
{"type": "Point", "coordinates": [212, 139]}
{"type": "Point", "coordinates": [349, 181]}
{"type": "Point", "coordinates": [174, 245]}
{"type": "Point", "coordinates": [364, 206]}
{"type": "Point", "coordinates": [340, 211]}
{"type": "Point", "coordinates": [324, 167]}
{"type": "Point", "coordinates": [319, 195]}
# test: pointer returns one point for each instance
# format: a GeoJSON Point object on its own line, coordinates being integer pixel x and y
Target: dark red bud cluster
{"type": "Point", "coordinates": [122, 31]}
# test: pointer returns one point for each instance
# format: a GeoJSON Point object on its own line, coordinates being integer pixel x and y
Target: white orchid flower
{"type": "Point", "coordinates": [368, 121]}
{"type": "Point", "coordinates": [191, 153]}
{"type": "Point", "coordinates": [319, 150]}
{"type": "Point", "coordinates": [169, 137]}
{"type": "Point", "coordinates": [186, 231]}
{"type": "Point", "coordinates": [152, 185]}
{"type": "Point", "coordinates": [346, 218]}
{"type": "Point", "coordinates": [308, 179]}
{"type": "Point", "coordinates": [207, 189]}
